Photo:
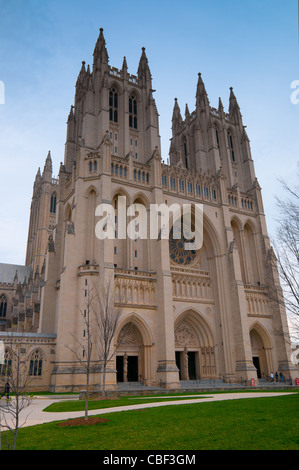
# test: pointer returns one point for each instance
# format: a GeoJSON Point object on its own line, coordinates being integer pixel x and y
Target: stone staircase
{"type": "Point", "coordinates": [203, 385]}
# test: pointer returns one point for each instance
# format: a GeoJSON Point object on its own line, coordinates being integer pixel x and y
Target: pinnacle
{"type": "Point", "coordinates": [143, 68]}
{"type": "Point", "coordinates": [48, 164]}
{"type": "Point", "coordinates": [100, 47]}
{"type": "Point", "coordinates": [101, 34]}
{"type": "Point", "coordinates": [125, 66]}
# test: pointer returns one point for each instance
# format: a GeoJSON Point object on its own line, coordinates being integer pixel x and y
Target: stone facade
{"type": "Point", "coordinates": [208, 314]}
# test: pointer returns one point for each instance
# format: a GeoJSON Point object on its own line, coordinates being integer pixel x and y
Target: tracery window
{"type": "Point", "coordinates": [3, 306]}
{"type": "Point", "coordinates": [133, 112]}
{"type": "Point", "coordinates": [36, 363]}
{"type": "Point", "coordinates": [217, 138]}
{"type": "Point", "coordinates": [53, 204]}
{"type": "Point", "coordinates": [5, 369]}
{"type": "Point", "coordinates": [231, 146]}
{"type": "Point", "coordinates": [185, 152]}
{"type": "Point", "coordinates": [113, 105]}
{"type": "Point", "coordinates": [177, 251]}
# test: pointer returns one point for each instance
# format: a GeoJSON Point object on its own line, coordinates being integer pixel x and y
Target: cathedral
{"type": "Point", "coordinates": [211, 313]}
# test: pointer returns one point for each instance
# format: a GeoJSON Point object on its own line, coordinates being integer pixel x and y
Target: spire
{"type": "Point", "coordinates": [37, 180]}
{"type": "Point", "coordinates": [143, 68]}
{"type": "Point", "coordinates": [202, 100]}
{"type": "Point", "coordinates": [70, 134]}
{"type": "Point", "coordinates": [48, 166]}
{"type": "Point", "coordinates": [82, 73]}
{"type": "Point", "coordinates": [232, 100]}
{"type": "Point", "coordinates": [187, 113]}
{"type": "Point", "coordinates": [220, 106]}
{"type": "Point", "coordinates": [48, 163]}
{"type": "Point", "coordinates": [176, 115]}
{"type": "Point", "coordinates": [125, 66]}
{"type": "Point", "coordinates": [82, 81]}
{"type": "Point", "coordinates": [38, 175]}
{"type": "Point", "coordinates": [234, 108]}
{"type": "Point", "coordinates": [100, 53]}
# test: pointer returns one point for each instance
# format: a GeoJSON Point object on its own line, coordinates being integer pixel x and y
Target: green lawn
{"type": "Point", "coordinates": [79, 405]}
{"type": "Point", "coordinates": [249, 424]}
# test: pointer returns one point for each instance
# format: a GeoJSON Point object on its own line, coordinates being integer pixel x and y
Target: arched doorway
{"type": "Point", "coordinates": [194, 347]}
{"type": "Point", "coordinates": [260, 353]}
{"type": "Point", "coordinates": [129, 356]}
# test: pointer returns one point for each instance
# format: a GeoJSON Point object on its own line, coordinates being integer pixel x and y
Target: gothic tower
{"type": "Point", "coordinates": [42, 215]}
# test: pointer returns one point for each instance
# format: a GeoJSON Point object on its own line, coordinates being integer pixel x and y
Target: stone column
{"type": "Point", "coordinates": [125, 367]}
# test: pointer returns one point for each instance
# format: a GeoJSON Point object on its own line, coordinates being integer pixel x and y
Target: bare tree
{"type": "Point", "coordinates": [286, 247]}
{"type": "Point", "coordinates": [15, 371]}
{"type": "Point", "coordinates": [107, 312]}
{"type": "Point", "coordinates": [84, 346]}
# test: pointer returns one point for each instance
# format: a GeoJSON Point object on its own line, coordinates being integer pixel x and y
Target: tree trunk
{"type": "Point", "coordinates": [86, 396]}
{"type": "Point", "coordinates": [104, 381]}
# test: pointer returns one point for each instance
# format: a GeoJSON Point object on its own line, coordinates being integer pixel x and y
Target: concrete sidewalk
{"type": "Point", "coordinates": [34, 414]}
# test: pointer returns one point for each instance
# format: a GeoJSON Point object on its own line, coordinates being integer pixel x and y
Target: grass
{"type": "Point", "coordinates": [79, 405]}
{"type": "Point", "coordinates": [249, 424]}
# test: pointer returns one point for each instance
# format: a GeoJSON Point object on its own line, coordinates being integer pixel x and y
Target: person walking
{"type": "Point", "coordinates": [6, 390]}
{"type": "Point", "coordinates": [272, 377]}
{"type": "Point", "coordinates": [276, 376]}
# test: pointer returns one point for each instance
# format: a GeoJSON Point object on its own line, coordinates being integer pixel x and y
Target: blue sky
{"type": "Point", "coordinates": [250, 45]}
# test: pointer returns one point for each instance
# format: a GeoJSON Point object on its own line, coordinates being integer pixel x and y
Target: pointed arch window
{"type": "Point", "coordinates": [36, 363]}
{"type": "Point", "coordinates": [217, 138]}
{"type": "Point", "coordinates": [53, 204]}
{"type": "Point", "coordinates": [5, 369]}
{"type": "Point", "coordinates": [133, 112]}
{"type": "Point", "coordinates": [113, 105]}
{"type": "Point", "coordinates": [3, 306]}
{"type": "Point", "coordinates": [186, 152]}
{"type": "Point", "coordinates": [231, 146]}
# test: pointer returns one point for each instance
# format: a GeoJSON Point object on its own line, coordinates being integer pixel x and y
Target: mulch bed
{"type": "Point", "coordinates": [90, 419]}
{"type": "Point", "coordinates": [83, 422]}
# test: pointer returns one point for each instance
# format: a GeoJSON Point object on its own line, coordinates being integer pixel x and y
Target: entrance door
{"type": "Point", "coordinates": [120, 368]}
{"type": "Point", "coordinates": [132, 368]}
{"type": "Point", "coordinates": [191, 365]}
{"type": "Point", "coordinates": [256, 363]}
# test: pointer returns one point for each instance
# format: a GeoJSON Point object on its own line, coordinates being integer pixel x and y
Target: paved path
{"type": "Point", "coordinates": [34, 414]}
